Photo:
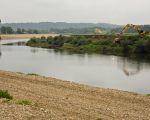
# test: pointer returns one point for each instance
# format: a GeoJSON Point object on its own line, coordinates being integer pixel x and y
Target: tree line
{"type": "Point", "coordinates": [9, 30]}
{"type": "Point", "coordinates": [129, 45]}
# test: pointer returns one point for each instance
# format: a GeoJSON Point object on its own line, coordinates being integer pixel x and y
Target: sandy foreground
{"type": "Point", "coordinates": [24, 36]}
{"type": "Point", "coordinates": [54, 99]}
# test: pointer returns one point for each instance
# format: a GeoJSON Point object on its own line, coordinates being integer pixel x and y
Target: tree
{"type": "Point", "coordinates": [3, 30]}
{"type": "Point", "coordinates": [6, 30]}
{"type": "Point", "coordinates": [35, 32]}
{"type": "Point", "coordinates": [19, 31]}
{"type": "Point", "coordinates": [29, 31]}
{"type": "Point", "coordinates": [9, 30]}
{"type": "Point", "coordinates": [23, 31]}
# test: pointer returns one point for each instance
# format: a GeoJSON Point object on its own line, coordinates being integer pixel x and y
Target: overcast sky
{"type": "Point", "coordinates": [108, 11]}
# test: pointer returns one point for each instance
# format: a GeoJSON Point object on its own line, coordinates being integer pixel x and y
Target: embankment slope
{"type": "Point", "coordinates": [61, 100]}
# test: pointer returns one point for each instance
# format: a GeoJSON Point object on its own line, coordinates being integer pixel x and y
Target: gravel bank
{"type": "Point", "coordinates": [24, 36]}
{"type": "Point", "coordinates": [54, 99]}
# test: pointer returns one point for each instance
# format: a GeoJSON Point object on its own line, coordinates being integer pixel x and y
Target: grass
{"type": "Point", "coordinates": [5, 94]}
{"type": "Point", "coordinates": [6, 100]}
{"type": "Point", "coordinates": [147, 94]}
{"type": "Point", "coordinates": [24, 102]}
{"type": "Point", "coordinates": [34, 74]}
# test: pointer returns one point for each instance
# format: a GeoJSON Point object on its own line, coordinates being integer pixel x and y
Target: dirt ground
{"type": "Point", "coordinates": [54, 99]}
{"type": "Point", "coordinates": [24, 36]}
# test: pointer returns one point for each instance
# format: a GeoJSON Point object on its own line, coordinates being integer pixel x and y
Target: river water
{"type": "Point", "coordinates": [91, 69]}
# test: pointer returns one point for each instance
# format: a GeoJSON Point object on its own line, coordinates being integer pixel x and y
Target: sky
{"type": "Point", "coordinates": [75, 11]}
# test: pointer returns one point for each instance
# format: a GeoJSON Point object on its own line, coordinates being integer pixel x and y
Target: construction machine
{"type": "Point", "coordinates": [98, 31]}
{"type": "Point", "coordinates": [137, 28]}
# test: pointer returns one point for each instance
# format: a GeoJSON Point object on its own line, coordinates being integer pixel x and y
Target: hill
{"type": "Point", "coordinates": [59, 25]}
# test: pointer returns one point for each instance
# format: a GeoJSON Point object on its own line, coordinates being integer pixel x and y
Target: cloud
{"type": "Point", "coordinates": [113, 11]}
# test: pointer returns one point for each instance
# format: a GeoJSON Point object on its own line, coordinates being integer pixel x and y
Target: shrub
{"type": "Point", "coordinates": [139, 47]}
{"type": "Point", "coordinates": [24, 102]}
{"type": "Point", "coordinates": [147, 94]}
{"type": "Point", "coordinates": [67, 46]}
{"type": "Point", "coordinates": [5, 94]}
{"type": "Point", "coordinates": [129, 45]}
{"type": "Point", "coordinates": [103, 42]}
{"type": "Point", "coordinates": [90, 48]}
{"type": "Point", "coordinates": [33, 40]}
{"type": "Point", "coordinates": [34, 74]}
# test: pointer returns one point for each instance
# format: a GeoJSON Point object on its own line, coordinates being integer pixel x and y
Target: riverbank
{"type": "Point", "coordinates": [24, 36]}
{"type": "Point", "coordinates": [130, 46]}
{"type": "Point", "coordinates": [56, 99]}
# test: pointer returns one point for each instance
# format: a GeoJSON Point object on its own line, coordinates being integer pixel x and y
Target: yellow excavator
{"type": "Point", "coordinates": [138, 28]}
{"type": "Point", "coordinates": [98, 31]}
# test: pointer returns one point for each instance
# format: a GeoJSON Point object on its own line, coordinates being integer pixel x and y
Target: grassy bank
{"type": "Point", "coordinates": [41, 98]}
{"type": "Point", "coordinates": [130, 45]}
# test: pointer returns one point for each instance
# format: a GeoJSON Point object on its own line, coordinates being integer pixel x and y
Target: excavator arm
{"type": "Point", "coordinates": [138, 28]}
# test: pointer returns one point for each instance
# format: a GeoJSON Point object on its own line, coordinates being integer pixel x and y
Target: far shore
{"type": "Point", "coordinates": [24, 36]}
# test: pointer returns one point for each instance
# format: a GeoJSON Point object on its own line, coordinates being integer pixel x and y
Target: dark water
{"type": "Point", "coordinates": [91, 69]}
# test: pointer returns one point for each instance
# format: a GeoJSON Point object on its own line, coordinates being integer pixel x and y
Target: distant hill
{"type": "Point", "coordinates": [59, 25]}
{"type": "Point", "coordinates": [71, 28]}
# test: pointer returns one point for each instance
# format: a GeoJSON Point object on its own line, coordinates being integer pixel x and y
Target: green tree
{"type": "Point", "coordinates": [19, 31]}
{"type": "Point", "coordinates": [9, 30]}
{"type": "Point", "coordinates": [23, 31]}
{"type": "Point", "coordinates": [3, 30]}
{"type": "Point", "coordinates": [29, 31]}
{"type": "Point", "coordinates": [35, 32]}
{"type": "Point", "coordinates": [6, 30]}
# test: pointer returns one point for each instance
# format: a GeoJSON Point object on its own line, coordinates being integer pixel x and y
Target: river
{"type": "Point", "coordinates": [105, 71]}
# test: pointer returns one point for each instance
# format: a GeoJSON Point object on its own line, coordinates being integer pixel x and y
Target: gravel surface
{"type": "Point", "coordinates": [24, 36]}
{"type": "Point", "coordinates": [54, 99]}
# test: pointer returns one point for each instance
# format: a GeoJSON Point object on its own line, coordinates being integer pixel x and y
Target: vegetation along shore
{"type": "Point", "coordinates": [129, 45]}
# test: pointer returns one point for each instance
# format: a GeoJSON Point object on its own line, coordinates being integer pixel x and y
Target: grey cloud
{"type": "Point", "coordinates": [112, 11]}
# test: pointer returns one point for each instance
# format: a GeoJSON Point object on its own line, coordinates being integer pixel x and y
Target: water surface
{"type": "Point", "coordinates": [91, 69]}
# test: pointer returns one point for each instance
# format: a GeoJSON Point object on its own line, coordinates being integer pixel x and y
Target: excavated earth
{"type": "Point", "coordinates": [54, 99]}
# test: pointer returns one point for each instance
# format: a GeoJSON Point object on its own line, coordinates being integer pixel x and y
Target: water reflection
{"type": "Point", "coordinates": [0, 49]}
{"type": "Point", "coordinates": [0, 53]}
{"type": "Point", "coordinates": [130, 67]}
{"type": "Point", "coordinates": [34, 50]}
{"type": "Point", "coordinates": [16, 43]}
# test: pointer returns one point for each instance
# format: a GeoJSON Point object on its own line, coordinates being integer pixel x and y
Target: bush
{"type": "Point", "coordinates": [91, 48]}
{"type": "Point", "coordinates": [34, 74]}
{"type": "Point", "coordinates": [33, 40]}
{"type": "Point", "coordinates": [24, 102]}
{"type": "Point", "coordinates": [68, 46]}
{"type": "Point", "coordinates": [5, 94]}
{"type": "Point", "coordinates": [43, 38]}
{"type": "Point", "coordinates": [139, 47]}
{"type": "Point", "coordinates": [129, 45]}
{"type": "Point", "coordinates": [103, 42]}
{"type": "Point", "coordinates": [147, 94]}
